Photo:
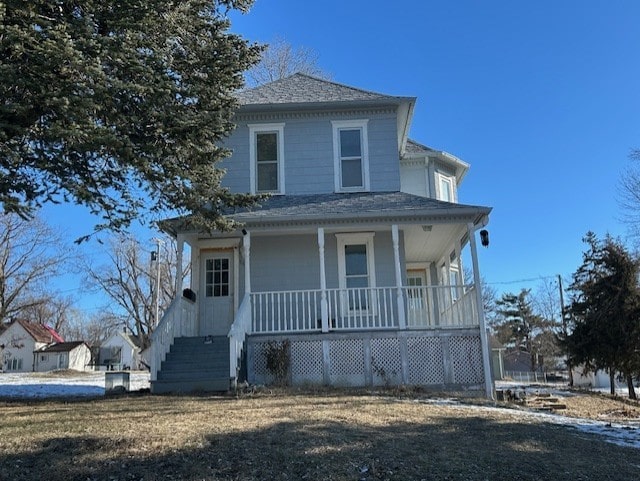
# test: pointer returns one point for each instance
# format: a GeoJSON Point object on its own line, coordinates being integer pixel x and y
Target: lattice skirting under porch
{"type": "Point", "coordinates": [443, 359]}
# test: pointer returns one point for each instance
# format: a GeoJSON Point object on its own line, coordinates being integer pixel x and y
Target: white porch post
{"type": "Point", "coordinates": [324, 306]}
{"type": "Point", "coordinates": [402, 322]}
{"type": "Point", "coordinates": [246, 252]}
{"type": "Point", "coordinates": [180, 241]}
{"type": "Point", "coordinates": [484, 341]}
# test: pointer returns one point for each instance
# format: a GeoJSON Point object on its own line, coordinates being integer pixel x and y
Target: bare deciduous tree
{"type": "Point", "coordinates": [31, 254]}
{"type": "Point", "coordinates": [93, 330]}
{"type": "Point", "coordinates": [629, 195]}
{"type": "Point", "coordinates": [56, 311]}
{"type": "Point", "coordinates": [280, 59]}
{"type": "Point", "coordinates": [129, 279]}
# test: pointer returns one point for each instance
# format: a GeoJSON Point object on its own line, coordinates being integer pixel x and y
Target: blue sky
{"type": "Point", "coordinates": [541, 98]}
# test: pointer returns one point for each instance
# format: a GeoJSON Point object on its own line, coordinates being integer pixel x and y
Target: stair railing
{"type": "Point", "coordinates": [237, 334]}
{"type": "Point", "coordinates": [178, 320]}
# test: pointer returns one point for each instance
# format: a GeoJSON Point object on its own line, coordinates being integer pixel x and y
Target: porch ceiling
{"type": "Point", "coordinates": [429, 243]}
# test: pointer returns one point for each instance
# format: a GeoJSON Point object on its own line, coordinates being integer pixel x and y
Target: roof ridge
{"type": "Point", "coordinates": [338, 84]}
{"type": "Point", "coordinates": [302, 88]}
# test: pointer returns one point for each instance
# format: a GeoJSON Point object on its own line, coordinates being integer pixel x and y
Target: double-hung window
{"type": "Point", "coordinates": [446, 188]}
{"type": "Point", "coordinates": [356, 269]}
{"type": "Point", "coordinates": [351, 155]}
{"type": "Point", "coordinates": [266, 152]}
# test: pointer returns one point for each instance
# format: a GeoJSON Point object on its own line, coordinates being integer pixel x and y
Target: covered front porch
{"type": "Point", "coordinates": [362, 278]}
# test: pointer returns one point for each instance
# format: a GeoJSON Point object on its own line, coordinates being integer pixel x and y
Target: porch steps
{"type": "Point", "coordinates": [194, 364]}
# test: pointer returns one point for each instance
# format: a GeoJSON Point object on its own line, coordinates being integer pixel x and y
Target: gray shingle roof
{"type": "Point", "coordinates": [353, 206]}
{"type": "Point", "coordinates": [301, 88]}
{"type": "Point", "coordinates": [62, 346]}
{"type": "Point", "coordinates": [414, 147]}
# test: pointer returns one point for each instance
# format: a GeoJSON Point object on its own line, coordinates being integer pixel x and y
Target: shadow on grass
{"type": "Point", "coordinates": [440, 448]}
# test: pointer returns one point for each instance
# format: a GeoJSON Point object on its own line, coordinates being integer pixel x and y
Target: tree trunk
{"type": "Point", "coordinates": [569, 367]}
{"type": "Point", "coordinates": [612, 381]}
{"type": "Point", "coordinates": [632, 391]}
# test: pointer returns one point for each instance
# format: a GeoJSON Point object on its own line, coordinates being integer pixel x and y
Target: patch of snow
{"type": "Point", "coordinates": [41, 385]}
{"type": "Point", "coordinates": [32, 385]}
{"type": "Point", "coordinates": [623, 434]}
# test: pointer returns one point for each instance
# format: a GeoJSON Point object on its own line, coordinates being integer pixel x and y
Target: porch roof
{"type": "Point", "coordinates": [353, 208]}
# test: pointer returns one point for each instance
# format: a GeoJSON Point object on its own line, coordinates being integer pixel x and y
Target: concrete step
{"type": "Point", "coordinates": [194, 364]}
{"type": "Point", "coordinates": [197, 357]}
{"type": "Point", "coordinates": [187, 368]}
{"type": "Point", "coordinates": [180, 374]}
{"type": "Point", "coordinates": [190, 386]}
{"type": "Point", "coordinates": [209, 342]}
{"type": "Point", "coordinates": [214, 347]}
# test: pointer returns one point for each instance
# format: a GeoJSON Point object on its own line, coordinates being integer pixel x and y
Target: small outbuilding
{"type": "Point", "coordinates": [74, 355]}
{"type": "Point", "coordinates": [121, 351]}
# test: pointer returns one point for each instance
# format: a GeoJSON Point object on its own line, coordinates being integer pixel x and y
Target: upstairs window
{"type": "Point", "coordinates": [446, 188]}
{"type": "Point", "coordinates": [351, 155]}
{"type": "Point", "coordinates": [266, 154]}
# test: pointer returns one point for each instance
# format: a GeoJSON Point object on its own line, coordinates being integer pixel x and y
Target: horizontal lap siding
{"type": "Point", "coordinates": [308, 154]}
{"type": "Point", "coordinates": [292, 262]}
{"type": "Point", "coordinates": [284, 263]}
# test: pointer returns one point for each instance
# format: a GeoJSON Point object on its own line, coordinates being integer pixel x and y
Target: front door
{"type": "Point", "coordinates": [418, 299]}
{"type": "Point", "coordinates": [216, 308]}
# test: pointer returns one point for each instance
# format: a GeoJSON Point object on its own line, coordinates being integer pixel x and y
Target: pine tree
{"type": "Point", "coordinates": [120, 106]}
{"type": "Point", "coordinates": [518, 325]}
{"type": "Point", "coordinates": [605, 311]}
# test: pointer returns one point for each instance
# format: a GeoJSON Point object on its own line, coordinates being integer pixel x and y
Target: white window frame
{"type": "Point", "coordinates": [255, 129]}
{"type": "Point", "coordinates": [451, 180]}
{"type": "Point", "coordinates": [361, 125]}
{"type": "Point", "coordinates": [344, 240]}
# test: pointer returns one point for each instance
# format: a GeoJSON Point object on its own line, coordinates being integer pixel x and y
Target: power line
{"type": "Point", "coordinates": [519, 281]}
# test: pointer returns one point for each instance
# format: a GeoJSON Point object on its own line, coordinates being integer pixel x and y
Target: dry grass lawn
{"type": "Point", "coordinates": [293, 436]}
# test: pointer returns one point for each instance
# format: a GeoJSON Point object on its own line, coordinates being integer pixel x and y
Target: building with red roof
{"type": "Point", "coordinates": [20, 341]}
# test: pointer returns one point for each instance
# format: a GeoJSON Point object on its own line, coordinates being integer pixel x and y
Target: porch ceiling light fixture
{"type": "Point", "coordinates": [484, 237]}
{"type": "Point", "coordinates": [427, 228]}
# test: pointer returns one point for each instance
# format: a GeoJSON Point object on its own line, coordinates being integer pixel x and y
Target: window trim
{"type": "Point", "coordinates": [337, 126]}
{"type": "Point", "coordinates": [451, 180]}
{"type": "Point", "coordinates": [255, 129]}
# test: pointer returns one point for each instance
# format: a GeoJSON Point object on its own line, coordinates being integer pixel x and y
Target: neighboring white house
{"type": "Point", "coordinates": [19, 341]}
{"type": "Point", "coordinates": [598, 380]}
{"type": "Point", "coordinates": [120, 351]}
{"type": "Point", "coordinates": [353, 264]}
{"type": "Point", "coordinates": [74, 355]}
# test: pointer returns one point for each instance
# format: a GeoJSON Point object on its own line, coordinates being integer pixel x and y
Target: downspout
{"type": "Point", "coordinates": [484, 338]}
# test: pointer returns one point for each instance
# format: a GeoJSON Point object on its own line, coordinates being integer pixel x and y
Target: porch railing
{"type": "Point", "coordinates": [427, 307]}
{"type": "Point", "coordinates": [178, 320]}
{"type": "Point", "coordinates": [237, 334]}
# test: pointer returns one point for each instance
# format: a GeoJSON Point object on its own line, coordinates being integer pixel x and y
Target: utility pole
{"type": "Point", "coordinates": [158, 242]}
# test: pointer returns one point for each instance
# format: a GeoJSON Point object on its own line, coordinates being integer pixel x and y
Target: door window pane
{"type": "Point", "coordinates": [217, 277]}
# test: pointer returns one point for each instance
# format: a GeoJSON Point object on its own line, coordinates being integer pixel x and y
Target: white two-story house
{"type": "Point", "coordinates": [352, 267]}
